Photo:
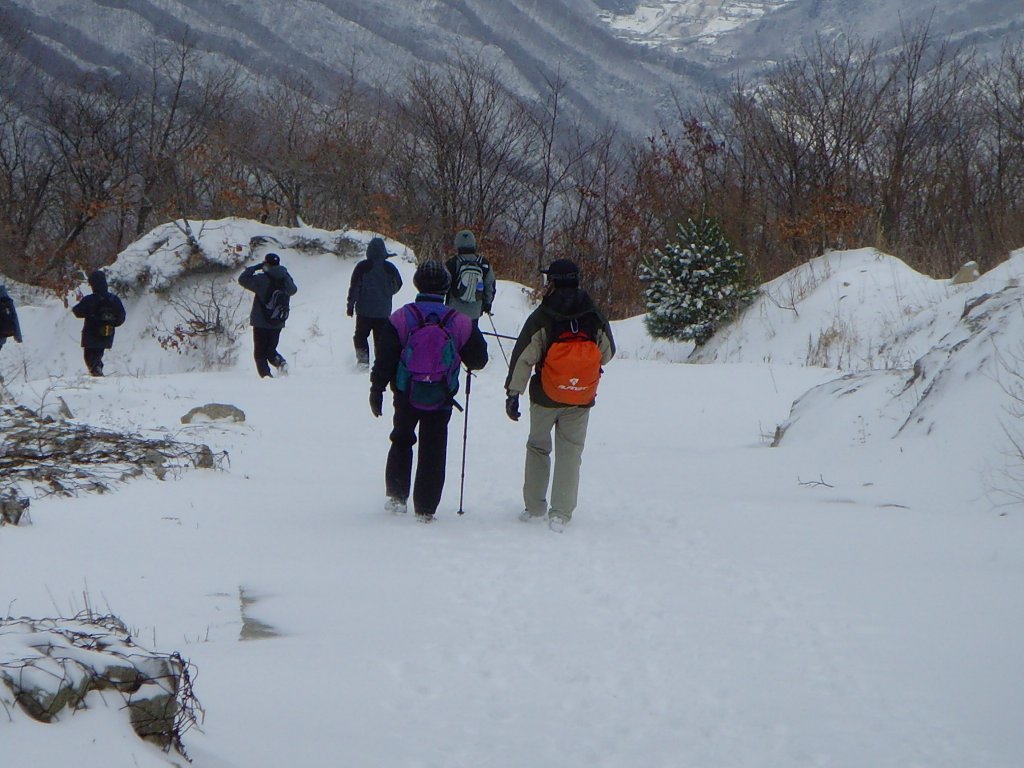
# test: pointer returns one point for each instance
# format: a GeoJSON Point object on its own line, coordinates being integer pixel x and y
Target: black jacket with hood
{"type": "Point", "coordinates": [17, 324]}
{"type": "Point", "coordinates": [374, 282]}
{"type": "Point", "coordinates": [555, 314]}
{"type": "Point", "coordinates": [88, 307]}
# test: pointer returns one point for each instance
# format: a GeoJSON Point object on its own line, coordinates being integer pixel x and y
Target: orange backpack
{"type": "Point", "coordinates": [572, 368]}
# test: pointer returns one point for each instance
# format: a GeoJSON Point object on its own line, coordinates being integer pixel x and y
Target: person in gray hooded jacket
{"type": "Point", "coordinates": [263, 279]}
{"type": "Point", "coordinates": [473, 283]}
{"type": "Point", "coordinates": [374, 282]}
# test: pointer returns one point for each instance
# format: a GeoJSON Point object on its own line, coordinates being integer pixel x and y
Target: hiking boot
{"type": "Point", "coordinates": [281, 364]}
{"type": "Point", "coordinates": [557, 524]}
{"type": "Point", "coordinates": [424, 517]}
{"type": "Point", "coordinates": [395, 506]}
{"type": "Point", "coordinates": [526, 516]}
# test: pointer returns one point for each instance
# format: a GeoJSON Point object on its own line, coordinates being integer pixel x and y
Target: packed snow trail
{"type": "Point", "coordinates": [715, 601]}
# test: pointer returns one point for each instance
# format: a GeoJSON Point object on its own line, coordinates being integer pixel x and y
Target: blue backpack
{"type": "Point", "coordinates": [428, 369]}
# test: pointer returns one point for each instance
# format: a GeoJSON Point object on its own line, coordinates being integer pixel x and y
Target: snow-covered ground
{"type": "Point", "coordinates": [850, 598]}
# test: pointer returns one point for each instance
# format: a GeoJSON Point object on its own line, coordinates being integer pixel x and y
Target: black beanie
{"type": "Point", "coordinates": [431, 277]}
{"type": "Point", "coordinates": [563, 272]}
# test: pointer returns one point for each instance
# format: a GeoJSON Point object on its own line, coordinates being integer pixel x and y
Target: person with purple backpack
{"type": "Point", "coordinates": [420, 353]}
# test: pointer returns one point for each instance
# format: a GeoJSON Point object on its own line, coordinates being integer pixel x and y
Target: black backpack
{"type": "Point", "coordinates": [278, 303]}
{"type": "Point", "coordinates": [8, 317]}
{"type": "Point", "coordinates": [107, 317]}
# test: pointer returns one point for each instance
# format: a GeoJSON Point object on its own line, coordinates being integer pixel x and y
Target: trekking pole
{"type": "Point", "coordinates": [465, 434]}
{"type": "Point", "coordinates": [499, 337]}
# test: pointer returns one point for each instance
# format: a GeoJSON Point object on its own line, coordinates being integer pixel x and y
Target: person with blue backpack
{"type": "Point", "coordinates": [420, 353]}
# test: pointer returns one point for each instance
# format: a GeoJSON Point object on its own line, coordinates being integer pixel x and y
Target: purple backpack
{"type": "Point", "coordinates": [428, 369]}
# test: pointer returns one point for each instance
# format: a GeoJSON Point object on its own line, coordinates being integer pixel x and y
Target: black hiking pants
{"type": "Point", "coordinates": [94, 360]}
{"type": "Point", "coordinates": [431, 457]}
{"type": "Point", "coordinates": [264, 349]}
{"type": "Point", "coordinates": [360, 339]}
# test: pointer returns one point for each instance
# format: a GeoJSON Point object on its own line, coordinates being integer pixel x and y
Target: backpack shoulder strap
{"type": "Point", "coordinates": [417, 315]}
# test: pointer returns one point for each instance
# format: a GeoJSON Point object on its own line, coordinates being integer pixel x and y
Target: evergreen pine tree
{"type": "Point", "coordinates": [694, 283]}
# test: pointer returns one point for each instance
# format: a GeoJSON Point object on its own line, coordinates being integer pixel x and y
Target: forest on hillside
{"type": "Point", "coordinates": [919, 152]}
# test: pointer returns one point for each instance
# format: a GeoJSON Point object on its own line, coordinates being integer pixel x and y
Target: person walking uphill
{"type": "Point", "coordinates": [374, 282]}
{"type": "Point", "coordinates": [9, 325]}
{"type": "Point", "coordinates": [102, 312]}
{"type": "Point", "coordinates": [273, 287]}
{"type": "Point", "coordinates": [419, 357]}
{"type": "Point", "coordinates": [472, 280]}
{"type": "Point", "coordinates": [564, 342]}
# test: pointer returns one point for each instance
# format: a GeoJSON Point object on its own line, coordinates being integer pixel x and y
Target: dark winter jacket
{"type": "Point", "coordinates": [17, 325]}
{"type": "Point", "coordinates": [261, 280]}
{"type": "Point", "coordinates": [471, 343]}
{"type": "Point", "coordinates": [484, 297]}
{"type": "Point", "coordinates": [554, 316]}
{"type": "Point", "coordinates": [374, 282]}
{"type": "Point", "coordinates": [89, 308]}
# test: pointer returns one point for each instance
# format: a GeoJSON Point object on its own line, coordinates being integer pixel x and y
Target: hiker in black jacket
{"type": "Point", "coordinates": [412, 424]}
{"type": "Point", "coordinates": [374, 282]}
{"type": "Point", "coordinates": [10, 327]}
{"type": "Point", "coordinates": [566, 318]}
{"type": "Point", "coordinates": [262, 279]}
{"type": "Point", "coordinates": [102, 312]}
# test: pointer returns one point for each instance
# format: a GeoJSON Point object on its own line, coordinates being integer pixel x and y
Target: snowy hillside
{"type": "Point", "coordinates": [749, 35]}
{"type": "Point", "coordinates": [845, 599]}
{"type": "Point", "coordinates": [683, 24]}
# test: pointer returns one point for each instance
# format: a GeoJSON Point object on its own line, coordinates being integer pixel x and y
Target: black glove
{"type": "Point", "coordinates": [349, 311]}
{"type": "Point", "coordinates": [487, 309]}
{"type": "Point", "coordinates": [376, 403]}
{"type": "Point", "coordinates": [512, 407]}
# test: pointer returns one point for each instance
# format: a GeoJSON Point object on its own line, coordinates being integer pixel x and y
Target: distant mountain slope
{"type": "Point", "coordinates": [731, 35]}
{"type": "Point", "coordinates": [623, 60]}
{"type": "Point", "coordinates": [609, 79]}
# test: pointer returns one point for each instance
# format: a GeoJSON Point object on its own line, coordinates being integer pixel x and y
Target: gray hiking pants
{"type": "Point", "coordinates": [570, 425]}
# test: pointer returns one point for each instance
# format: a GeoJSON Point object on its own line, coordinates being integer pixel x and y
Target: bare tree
{"type": "Point", "coordinates": [560, 147]}
{"type": "Point", "coordinates": [464, 158]}
{"type": "Point", "coordinates": [180, 108]}
{"type": "Point", "coordinates": [87, 131]}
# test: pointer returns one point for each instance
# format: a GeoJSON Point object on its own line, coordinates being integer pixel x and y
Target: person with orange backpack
{"type": "Point", "coordinates": [564, 343]}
